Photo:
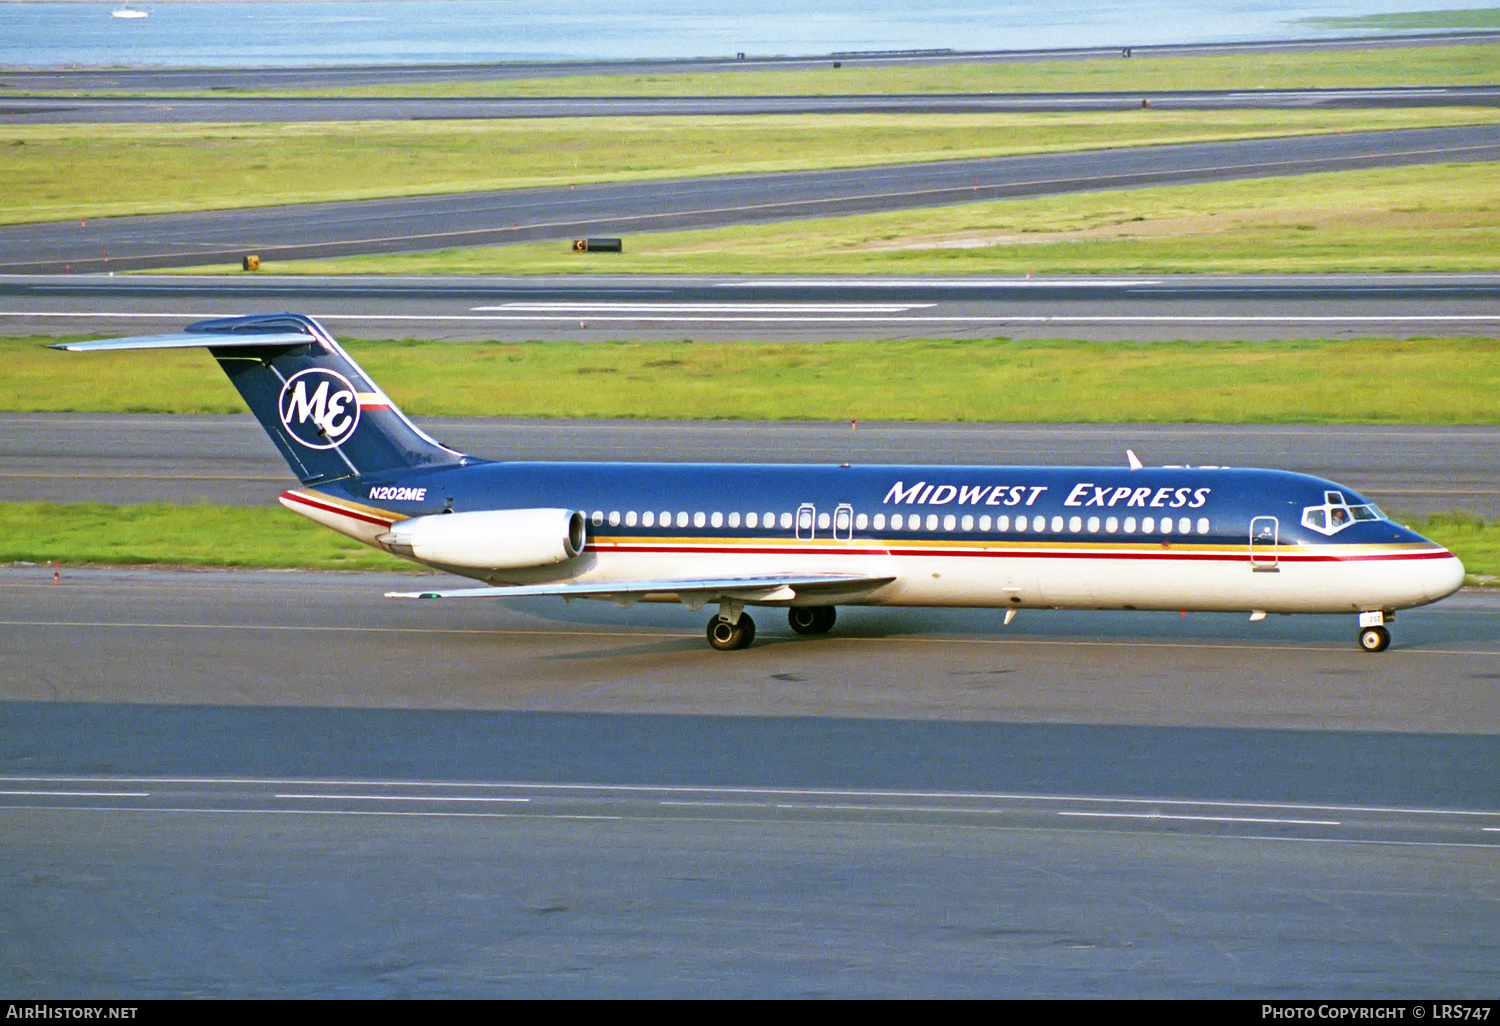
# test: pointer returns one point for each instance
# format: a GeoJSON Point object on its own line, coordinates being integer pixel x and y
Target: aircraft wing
{"type": "Point", "coordinates": [691, 592]}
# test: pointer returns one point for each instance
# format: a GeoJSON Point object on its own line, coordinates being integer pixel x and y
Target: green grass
{"type": "Point", "coordinates": [1333, 69]}
{"type": "Point", "coordinates": [88, 533]}
{"type": "Point", "coordinates": [39, 532]}
{"type": "Point", "coordinates": [1430, 218]}
{"type": "Point", "coordinates": [1414, 21]}
{"type": "Point", "coordinates": [66, 172]}
{"type": "Point", "coordinates": [1474, 541]}
{"type": "Point", "coordinates": [1378, 381]}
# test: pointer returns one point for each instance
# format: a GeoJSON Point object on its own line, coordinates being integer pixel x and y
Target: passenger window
{"type": "Point", "coordinates": [630, 518]}
{"type": "Point", "coordinates": [717, 520]}
{"type": "Point", "coordinates": [880, 521]}
{"type": "Point", "coordinates": [734, 519]}
{"type": "Point", "coordinates": [950, 522]}
{"type": "Point", "coordinates": [648, 519]}
{"type": "Point", "coordinates": [822, 521]}
{"type": "Point", "coordinates": [699, 519]}
{"type": "Point", "coordinates": [1148, 524]}
{"type": "Point", "coordinates": [1130, 525]}
{"type": "Point", "coordinates": [1075, 524]}
{"type": "Point", "coordinates": [984, 523]}
{"type": "Point", "coordinates": [666, 518]}
{"type": "Point", "coordinates": [598, 518]}
{"type": "Point", "coordinates": [1057, 524]}
{"type": "Point", "coordinates": [968, 524]}
{"type": "Point", "coordinates": [682, 518]}
{"type": "Point", "coordinates": [1112, 525]}
{"type": "Point", "coordinates": [786, 521]}
{"type": "Point", "coordinates": [932, 521]}
{"type": "Point", "coordinates": [862, 521]}
{"type": "Point", "coordinates": [1203, 525]}
{"type": "Point", "coordinates": [751, 520]}
{"type": "Point", "coordinates": [896, 522]}
{"type": "Point", "coordinates": [1002, 523]}
{"type": "Point", "coordinates": [1093, 525]}
{"type": "Point", "coordinates": [614, 518]}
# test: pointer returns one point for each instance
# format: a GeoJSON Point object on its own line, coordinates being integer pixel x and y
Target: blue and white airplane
{"type": "Point", "coordinates": [811, 538]}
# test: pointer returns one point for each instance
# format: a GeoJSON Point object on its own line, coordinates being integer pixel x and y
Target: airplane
{"type": "Point", "coordinates": [810, 538]}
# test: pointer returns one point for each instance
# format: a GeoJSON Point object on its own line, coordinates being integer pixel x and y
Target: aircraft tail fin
{"type": "Point", "coordinates": [327, 417]}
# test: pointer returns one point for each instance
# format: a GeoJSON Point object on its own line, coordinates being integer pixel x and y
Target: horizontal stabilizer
{"type": "Point", "coordinates": [191, 340]}
{"type": "Point", "coordinates": [693, 592]}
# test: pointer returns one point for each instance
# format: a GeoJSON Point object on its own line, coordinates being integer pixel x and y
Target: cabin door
{"type": "Point", "coordinates": [1264, 535]}
{"type": "Point", "coordinates": [807, 516]}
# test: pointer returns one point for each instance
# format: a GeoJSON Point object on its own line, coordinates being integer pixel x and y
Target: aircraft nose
{"type": "Point", "coordinates": [1441, 577]}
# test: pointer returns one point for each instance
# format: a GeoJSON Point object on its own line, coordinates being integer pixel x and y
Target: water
{"type": "Point", "coordinates": [442, 31]}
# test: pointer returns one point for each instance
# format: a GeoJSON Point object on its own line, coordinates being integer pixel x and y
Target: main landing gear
{"type": "Point", "coordinates": [732, 628]}
{"type": "Point", "coordinates": [727, 635]}
{"type": "Point", "coordinates": [811, 619]}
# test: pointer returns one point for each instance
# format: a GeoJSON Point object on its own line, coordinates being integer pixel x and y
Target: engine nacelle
{"type": "Point", "coordinates": [499, 539]}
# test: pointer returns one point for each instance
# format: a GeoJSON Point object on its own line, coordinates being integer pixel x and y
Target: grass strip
{"type": "Point", "coordinates": [1375, 381]}
{"type": "Point", "coordinates": [93, 532]}
{"type": "Point", "coordinates": [82, 172]}
{"type": "Point", "coordinates": [89, 533]}
{"type": "Point", "coordinates": [1432, 218]}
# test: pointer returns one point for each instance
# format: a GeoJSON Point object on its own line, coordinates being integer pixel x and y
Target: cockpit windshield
{"type": "Point", "coordinates": [1336, 513]}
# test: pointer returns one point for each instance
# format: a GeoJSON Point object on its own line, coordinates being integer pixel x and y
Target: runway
{"type": "Point", "coordinates": [407, 224]}
{"type": "Point", "coordinates": [607, 307]}
{"type": "Point", "coordinates": [52, 110]}
{"type": "Point", "coordinates": [282, 784]}
{"type": "Point", "coordinates": [130, 458]}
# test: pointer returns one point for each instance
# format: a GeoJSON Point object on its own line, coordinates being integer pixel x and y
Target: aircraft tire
{"type": "Point", "coordinates": [726, 636]}
{"type": "Point", "coordinates": [812, 619]}
{"type": "Point", "coordinates": [1374, 639]}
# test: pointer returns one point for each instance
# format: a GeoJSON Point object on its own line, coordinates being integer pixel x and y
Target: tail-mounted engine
{"type": "Point", "coordinates": [501, 539]}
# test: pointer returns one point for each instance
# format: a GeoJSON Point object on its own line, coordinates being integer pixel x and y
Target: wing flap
{"type": "Point", "coordinates": [691, 592]}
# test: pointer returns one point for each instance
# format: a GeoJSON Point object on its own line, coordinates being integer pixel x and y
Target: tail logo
{"type": "Point", "coordinates": [318, 408]}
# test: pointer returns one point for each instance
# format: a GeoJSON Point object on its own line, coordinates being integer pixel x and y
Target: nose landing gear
{"type": "Point", "coordinates": [1373, 633]}
{"type": "Point", "coordinates": [1374, 639]}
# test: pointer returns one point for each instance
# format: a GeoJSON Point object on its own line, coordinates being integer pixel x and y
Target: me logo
{"type": "Point", "coordinates": [318, 408]}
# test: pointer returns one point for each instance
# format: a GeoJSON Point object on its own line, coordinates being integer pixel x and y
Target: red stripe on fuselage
{"type": "Point", "coordinates": [330, 507]}
{"type": "Point", "coordinates": [1236, 555]}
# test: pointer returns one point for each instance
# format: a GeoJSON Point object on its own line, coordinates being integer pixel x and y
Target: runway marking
{"type": "Point", "coordinates": [976, 319]}
{"type": "Point", "coordinates": [399, 798]}
{"type": "Point", "coordinates": [890, 808]}
{"type": "Point", "coordinates": [80, 794]}
{"type": "Point", "coordinates": [1205, 819]}
{"type": "Point", "coordinates": [1249, 646]}
{"type": "Point", "coordinates": [943, 283]}
{"type": "Point", "coordinates": [653, 308]}
{"type": "Point", "coordinates": [788, 792]}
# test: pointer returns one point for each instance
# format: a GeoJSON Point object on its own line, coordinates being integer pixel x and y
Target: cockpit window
{"type": "Point", "coordinates": [1335, 514]}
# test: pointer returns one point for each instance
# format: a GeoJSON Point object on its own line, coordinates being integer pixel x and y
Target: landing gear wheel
{"type": "Point", "coordinates": [812, 619]}
{"type": "Point", "coordinates": [1374, 639]}
{"type": "Point", "coordinates": [726, 636]}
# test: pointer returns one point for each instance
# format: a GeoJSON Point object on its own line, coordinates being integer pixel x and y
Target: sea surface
{"type": "Point", "coordinates": [213, 34]}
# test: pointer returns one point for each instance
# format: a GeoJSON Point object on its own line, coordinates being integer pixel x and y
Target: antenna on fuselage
{"type": "Point", "coordinates": [1133, 459]}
